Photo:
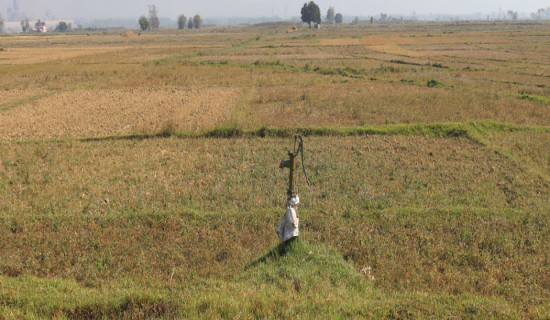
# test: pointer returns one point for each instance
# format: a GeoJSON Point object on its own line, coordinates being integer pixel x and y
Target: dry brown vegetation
{"type": "Point", "coordinates": [481, 71]}
{"type": "Point", "coordinates": [119, 198]}
{"type": "Point", "coordinates": [100, 112]}
{"type": "Point", "coordinates": [164, 209]}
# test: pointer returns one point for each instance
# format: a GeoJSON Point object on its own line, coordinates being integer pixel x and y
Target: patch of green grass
{"type": "Point", "coordinates": [470, 129]}
{"type": "Point", "coordinates": [448, 130]}
{"type": "Point", "coordinates": [545, 101]}
{"type": "Point", "coordinates": [386, 69]}
{"type": "Point", "coordinates": [29, 297]}
{"type": "Point", "coordinates": [294, 279]}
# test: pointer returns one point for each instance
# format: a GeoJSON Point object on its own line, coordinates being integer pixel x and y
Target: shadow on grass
{"type": "Point", "coordinates": [279, 251]}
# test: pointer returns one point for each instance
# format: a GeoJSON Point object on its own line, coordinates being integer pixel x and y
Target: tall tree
{"type": "Point", "coordinates": [144, 24]}
{"type": "Point", "coordinates": [63, 27]}
{"type": "Point", "coordinates": [25, 25]}
{"type": "Point", "coordinates": [197, 21]}
{"type": "Point", "coordinates": [338, 18]}
{"type": "Point", "coordinates": [330, 15]}
{"type": "Point", "coordinates": [311, 13]}
{"type": "Point", "coordinates": [154, 17]}
{"type": "Point", "coordinates": [182, 21]}
{"type": "Point", "coordinates": [1, 24]}
{"type": "Point", "coordinates": [190, 24]}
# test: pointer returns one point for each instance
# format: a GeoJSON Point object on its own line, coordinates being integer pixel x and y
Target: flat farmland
{"type": "Point", "coordinates": [403, 74]}
{"type": "Point", "coordinates": [139, 175]}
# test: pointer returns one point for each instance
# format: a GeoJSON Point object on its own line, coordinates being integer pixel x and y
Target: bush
{"type": "Point", "coordinates": [434, 83]}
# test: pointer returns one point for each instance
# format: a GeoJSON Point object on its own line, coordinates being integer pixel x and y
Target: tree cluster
{"type": "Point", "coordinates": [312, 14]}
{"type": "Point", "coordinates": [194, 22]}
{"type": "Point", "coordinates": [153, 22]}
{"type": "Point", "coordinates": [39, 23]}
{"type": "Point", "coordinates": [333, 17]}
{"type": "Point", "coordinates": [1, 24]}
{"type": "Point", "coordinates": [63, 26]}
{"type": "Point", "coordinates": [512, 14]}
{"type": "Point", "coordinates": [25, 25]}
{"type": "Point", "coordinates": [541, 14]}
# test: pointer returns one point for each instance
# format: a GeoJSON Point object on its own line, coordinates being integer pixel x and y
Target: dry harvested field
{"type": "Point", "coordinates": [139, 175]}
{"type": "Point", "coordinates": [96, 112]}
{"type": "Point", "coordinates": [477, 72]}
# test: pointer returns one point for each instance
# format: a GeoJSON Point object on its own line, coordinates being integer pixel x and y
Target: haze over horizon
{"type": "Point", "coordinates": [103, 9]}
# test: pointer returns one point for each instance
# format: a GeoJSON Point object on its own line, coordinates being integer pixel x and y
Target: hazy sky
{"type": "Point", "coordinates": [69, 9]}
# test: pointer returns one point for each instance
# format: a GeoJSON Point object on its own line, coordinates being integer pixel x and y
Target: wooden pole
{"type": "Point", "coordinates": [291, 175]}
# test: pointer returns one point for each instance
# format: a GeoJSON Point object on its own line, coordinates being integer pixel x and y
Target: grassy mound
{"type": "Point", "coordinates": [309, 281]}
{"type": "Point", "coordinates": [291, 280]}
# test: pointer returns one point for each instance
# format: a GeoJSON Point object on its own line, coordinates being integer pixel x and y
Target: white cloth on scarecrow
{"type": "Point", "coordinates": [288, 228]}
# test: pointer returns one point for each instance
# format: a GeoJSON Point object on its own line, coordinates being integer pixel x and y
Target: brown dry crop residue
{"type": "Point", "coordinates": [129, 34]}
{"type": "Point", "coordinates": [41, 55]}
{"type": "Point", "coordinates": [11, 96]}
{"type": "Point", "coordinates": [339, 42]}
{"type": "Point", "coordinates": [386, 44]}
{"type": "Point", "coordinates": [96, 112]}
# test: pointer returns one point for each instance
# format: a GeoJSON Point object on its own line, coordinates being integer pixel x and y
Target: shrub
{"type": "Point", "coordinates": [434, 83]}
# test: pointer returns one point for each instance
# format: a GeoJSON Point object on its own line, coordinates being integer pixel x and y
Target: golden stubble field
{"type": "Point", "coordinates": [100, 112]}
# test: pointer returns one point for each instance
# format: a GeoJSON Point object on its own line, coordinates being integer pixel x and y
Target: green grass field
{"type": "Point", "coordinates": [139, 176]}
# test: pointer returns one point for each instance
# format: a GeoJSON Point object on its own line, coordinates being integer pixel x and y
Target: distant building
{"type": "Point", "coordinates": [42, 29]}
{"type": "Point", "coordinates": [13, 13]}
